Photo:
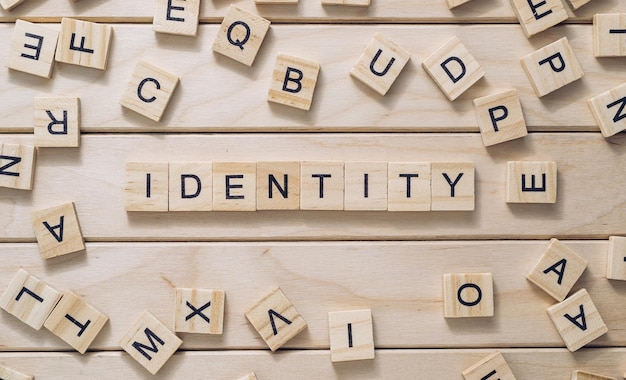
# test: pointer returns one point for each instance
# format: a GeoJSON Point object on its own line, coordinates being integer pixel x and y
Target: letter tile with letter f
{"type": "Point", "coordinates": [293, 82]}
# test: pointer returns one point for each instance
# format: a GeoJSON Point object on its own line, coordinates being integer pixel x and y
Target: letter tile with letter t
{"type": "Point", "coordinates": [581, 375]}
{"type": "Point", "coordinates": [178, 17]}
{"type": "Point", "coordinates": [57, 231]}
{"type": "Point", "coordinates": [351, 335]}
{"type": "Point", "coordinates": [17, 166]}
{"type": "Point", "coordinates": [468, 295]}
{"type": "Point", "coordinates": [199, 311]}
{"type": "Point", "coordinates": [32, 49]}
{"type": "Point", "coordinates": [7, 373]}
{"type": "Point", "coordinates": [241, 35]}
{"type": "Point", "coordinates": [491, 367]}
{"type": "Point", "coordinates": [322, 185]}
{"type": "Point", "coordinates": [57, 122]}
{"type": "Point", "coordinates": [609, 110]}
{"type": "Point", "coordinates": [84, 43]}
{"type": "Point", "coordinates": [535, 16]}
{"type": "Point", "coordinates": [500, 117]}
{"type": "Point", "coordinates": [609, 35]}
{"type": "Point", "coordinates": [531, 182]}
{"type": "Point", "coordinates": [293, 82]}
{"type": "Point", "coordinates": [452, 186]}
{"type": "Point", "coordinates": [409, 186]}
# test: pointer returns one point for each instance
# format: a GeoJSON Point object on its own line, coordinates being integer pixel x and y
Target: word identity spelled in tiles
{"type": "Point", "coordinates": [7, 373]}
{"type": "Point", "coordinates": [32, 49]}
{"type": "Point", "coordinates": [609, 111]}
{"type": "Point", "coordinates": [500, 117]}
{"type": "Point", "coordinates": [351, 335]}
{"type": "Point", "coordinates": [199, 311]}
{"type": "Point", "coordinates": [580, 375]}
{"type": "Point", "coordinates": [17, 166]}
{"type": "Point", "coordinates": [84, 43]}
{"type": "Point", "coordinates": [609, 35]}
{"type": "Point", "coordinates": [57, 122]}
{"type": "Point", "coordinates": [241, 35]}
{"type": "Point", "coordinates": [531, 182]}
{"type": "Point", "coordinates": [492, 367]}
{"type": "Point", "coordinates": [616, 260]}
{"type": "Point", "coordinates": [176, 17]}
{"type": "Point", "coordinates": [537, 16]}
{"type": "Point", "coordinates": [57, 231]}
{"type": "Point", "coordinates": [293, 82]}
{"type": "Point", "coordinates": [468, 295]}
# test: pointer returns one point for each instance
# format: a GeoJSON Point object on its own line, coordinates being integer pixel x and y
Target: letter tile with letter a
{"type": "Point", "coordinates": [609, 35]}
{"type": "Point", "coordinates": [84, 43]}
{"type": "Point", "coordinates": [468, 295]}
{"type": "Point", "coordinates": [322, 185]}
{"type": "Point", "coordinates": [7, 373]}
{"type": "Point", "coordinates": [552, 67]}
{"type": "Point", "coordinates": [241, 35]}
{"type": "Point", "coordinates": [500, 117]}
{"type": "Point", "coordinates": [531, 182]}
{"type": "Point", "coordinates": [150, 343]}
{"type": "Point", "coordinates": [57, 122]}
{"type": "Point", "coordinates": [178, 17]}
{"type": "Point", "coordinates": [452, 186]}
{"type": "Point", "coordinates": [57, 231]}
{"type": "Point", "coordinates": [199, 311]}
{"type": "Point", "coordinates": [275, 319]}
{"type": "Point", "coordinates": [453, 68]}
{"type": "Point", "coordinates": [580, 375]}
{"type": "Point", "coordinates": [191, 186]}
{"type": "Point", "coordinates": [409, 186]}
{"type": "Point", "coordinates": [147, 186]}
{"type": "Point", "coordinates": [234, 186]}
{"type": "Point", "coordinates": [32, 49]}
{"type": "Point", "coordinates": [535, 16]}
{"type": "Point", "coordinates": [577, 320]}
{"type": "Point", "coordinates": [293, 82]}
{"type": "Point", "coordinates": [493, 367]}
{"type": "Point", "coordinates": [609, 110]}
{"type": "Point", "coordinates": [616, 260]}
{"type": "Point", "coordinates": [351, 335]}
{"type": "Point", "coordinates": [278, 186]}
{"type": "Point", "coordinates": [17, 166]}
{"type": "Point", "coordinates": [380, 64]}
{"type": "Point", "coordinates": [365, 186]}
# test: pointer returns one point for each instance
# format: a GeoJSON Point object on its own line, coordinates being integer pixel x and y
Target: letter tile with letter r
{"type": "Point", "coordinates": [17, 166]}
{"type": "Point", "coordinates": [452, 186]}
{"type": "Point", "coordinates": [500, 117]}
{"type": "Point", "coordinates": [147, 186]}
{"type": "Point", "coordinates": [57, 122]}
{"type": "Point", "coordinates": [468, 295]}
{"type": "Point", "coordinates": [609, 35]}
{"type": "Point", "coordinates": [32, 49]}
{"type": "Point", "coordinates": [191, 186]}
{"type": "Point", "coordinates": [7, 373]}
{"type": "Point", "coordinates": [84, 43]}
{"type": "Point", "coordinates": [535, 16]}
{"type": "Point", "coordinates": [492, 367]}
{"type": "Point", "coordinates": [241, 35]}
{"type": "Point", "coordinates": [293, 82]}
{"type": "Point", "coordinates": [178, 17]}
{"type": "Point", "coordinates": [531, 182]}
{"type": "Point", "coordinates": [57, 231]}
{"type": "Point", "coordinates": [609, 110]}
{"type": "Point", "coordinates": [199, 311]}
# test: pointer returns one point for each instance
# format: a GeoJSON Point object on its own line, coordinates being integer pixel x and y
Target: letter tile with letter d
{"type": "Point", "coordinates": [241, 35]}
{"type": "Point", "coordinates": [468, 295]}
{"type": "Point", "coordinates": [293, 82]}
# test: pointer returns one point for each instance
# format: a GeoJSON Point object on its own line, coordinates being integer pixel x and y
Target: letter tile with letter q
{"type": "Point", "coordinates": [241, 35]}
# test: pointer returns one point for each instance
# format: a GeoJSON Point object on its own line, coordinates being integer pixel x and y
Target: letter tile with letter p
{"type": "Point", "coordinates": [500, 117]}
{"type": "Point", "coordinates": [241, 35]}
{"type": "Point", "coordinates": [293, 82]}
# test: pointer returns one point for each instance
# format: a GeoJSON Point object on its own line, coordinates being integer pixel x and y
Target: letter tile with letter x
{"type": "Point", "coordinates": [293, 82]}
{"type": "Point", "coordinates": [500, 117]}
{"type": "Point", "coordinates": [57, 230]}
{"type": "Point", "coordinates": [199, 311]}
{"type": "Point", "coordinates": [32, 49]}
{"type": "Point", "coordinates": [241, 35]}
{"type": "Point", "coordinates": [176, 17]}
{"type": "Point", "coordinates": [609, 111]}
{"type": "Point", "coordinates": [7, 373]}
{"type": "Point", "coordinates": [468, 295]}
{"type": "Point", "coordinates": [531, 182]}
{"type": "Point", "coordinates": [84, 43]}
{"type": "Point", "coordinates": [490, 368]}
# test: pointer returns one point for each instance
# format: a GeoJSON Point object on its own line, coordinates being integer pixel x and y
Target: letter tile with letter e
{"type": "Point", "coordinates": [57, 231]}
{"type": "Point", "coordinates": [29, 299]}
{"type": "Point", "coordinates": [7, 373]}
{"type": "Point", "coordinates": [84, 43]}
{"type": "Point", "coordinates": [365, 186]}
{"type": "Point", "coordinates": [409, 186]}
{"type": "Point", "coordinates": [609, 110]}
{"type": "Point", "coordinates": [552, 67]}
{"type": "Point", "coordinates": [234, 186]}
{"type": "Point", "coordinates": [32, 49]}
{"type": "Point", "coordinates": [147, 186]}
{"type": "Point", "coordinates": [500, 117]}
{"type": "Point", "coordinates": [609, 35]}
{"type": "Point", "coordinates": [380, 64]}
{"type": "Point", "coordinates": [278, 186]}
{"type": "Point", "coordinates": [241, 35]}
{"type": "Point", "coordinates": [535, 16]}
{"type": "Point", "coordinates": [293, 82]}
{"type": "Point", "coordinates": [199, 311]}
{"type": "Point", "coordinates": [351, 335]}
{"type": "Point", "coordinates": [17, 166]}
{"type": "Point", "coordinates": [57, 122]}
{"type": "Point", "coordinates": [453, 68]}
{"type": "Point", "coordinates": [490, 368]}
{"type": "Point", "coordinates": [577, 320]}
{"type": "Point", "coordinates": [191, 186]}
{"type": "Point", "coordinates": [452, 186]}
{"type": "Point", "coordinates": [616, 260]}
{"type": "Point", "coordinates": [322, 185]}
{"type": "Point", "coordinates": [150, 343]}
{"type": "Point", "coordinates": [468, 295]}
{"type": "Point", "coordinates": [275, 319]}
{"type": "Point", "coordinates": [531, 182]}
{"type": "Point", "coordinates": [178, 17]}
{"type": "Point", "coordinates": [581, 375]}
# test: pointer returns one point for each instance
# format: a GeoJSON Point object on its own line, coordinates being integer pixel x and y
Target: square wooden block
{"type": "Point", "coordinates": [32, 49]}
{"type": "Point", "coordinates": [455, 3]}
{"type": "Point", "coordinates": [608, 109]}
{"type": "Point", "coordinates": [17, 166]}
{"type": "Point", "coordinates": [609, 35]}
{"type": "Point", "coordinates": [490, 368]}
{"type": "Point", "coordinates": [552, 67]}
{"type": "Point", "coordinates": [380, 64]}
{"type": "Point", "coordinates": [251, 376]}
{"type": "Point", "coordinates": [616, 259]}
{"type": "Point", "coordinates": [468, 295]}
{"type": "Point", "coordinates": [84, 43]}
{"type": "Point", "coordinates": [580, 375]}
{"type": "Point", "coordinates": [275, 2]}
{"type": "Point", "coordinates": [275, 319]}
{"type": "Point", "coordinates": [57, 122]}
{"type": "Point", "coordinates": [150, 343]}
{"type": "Point", "coordinates": [531, 182]}
{"type": "Point", "coordinates": [241, 35]}
{"type": "Point", "coordinates": [452, 186]}
{"type": "Point", "coordinates": [29, 299]}
{"type": "Point", "coordinates": [351, 335]}
{"type": "Point", "coordinates": [57, 231]}
{"type": "Point", "coordinates": [149, 91]}
{"type": "Point", "coordinates": [7, 5]}
{"type": "Point", "coordinates": [7, 373]}
{"type": "Point", "coordinates": [293, 82]}
{"type": "Point", "coordinates": [557, 270]}
{"type": "Point", "coordinates": [199, 311]}
{"type": "Point", "coordinates": [577, 320]}
{"type": "Point", "coordinates": [234, 186]}
{"type": "Point", "coordinates": [575, 4]}
{"type": "Point", "coordinates": [365, 186]}
{"type": "Point", "coordinates": [322, 185]}
{"type": "Point", "coordinates": [178, 17]}
{"type": "Point", "coordinates": [409, 186]}
{"type": "Point", "coordinates": [75, 321]}
{"type": "Point", "coordinates": [190, 186]}
{"type": "Point", "coordinates": [147, 186]}
{"type": "Point", "coordinates": [500, 117]}
{"type": "Point", "coordinates": [350, 3]}
{"type": "Point", "coordinates": [453, 68]}
{"type": "Point", "coordinates": [537, 16]}
{"type": "Point", "coordinates": [278, 186]}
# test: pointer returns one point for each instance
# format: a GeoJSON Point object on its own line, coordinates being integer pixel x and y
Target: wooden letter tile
{"type": "Point", "coordinates": [493, 365]}
{"type": "Point", "coordinates": [84, 43]}
{"type": "Point", "coordinates": [351, 3]}
{"type": "Point", "coordinates": [365, 186]}
{"type": "Point", "coordinates": [32, 49]}
{"type": "Point", "coordinates": [468, 295]}
{"type": "Point", "coordinates": [75, 321]}
{"type": "Point", "coordinates": [57, 231]}
{"type": "Point", "coordinates": [57, 122]}
{"type": "Point", "coordinates": [322, 185]}
{"type": "Point", "coordinates": [535, 16]}
{"type": "Point", "coordinates": [616, 260]}
{"type": "Point", "coordinates": [150, 343]}
{"type": "Point", "coordinates": [577, 320]}
{"type": "Point", "coordinates": [293, 82]}
{"type": "Point", "coordinates": [147, 186]}
{"type": "Point", "coordinates": [199, 311]}
{"type": "Point", "coordinates": [609, 38]}
{"type": "Point", "coordinates": [7, 373]}
{"type": "Point", "coordinates": [29, 299]}
{"type": "Point", "coordinates": [531, 182]}
{"type": "Point", "coordinates": [149, 90]}
{"type": "Point", "coordinates": [453, 68]}
{"type": "Point", "coordinates": [455, 3]}
{"type": "Point", "coordinates": [552, 67]}
{"type": "Point", "coordinates": [557, 270]}
{"type": "Point", "coordinates": [241, 35]}
{"type": "Point", "coordinates": [452, 186]}
{"type": "Point", "coordinates": [234, 186]}
{"type": "Point", "coordinates": [409, 186]}
{"type": "Point", "coordinates": [580, 375]}
{"type": "Point", "coordinates": [275, 319]}
{"type": "Point", "coordinates": [278, 186]}
{"type": "Point", "coordinates": [351, 335]}
{"type": "Point", "coordinates": [17, 166]}
{"type": "Point", "coordinates": [500, 117]}
{"type": "Point", "coordinates": [380, 64]}
{"type": "Point", "coordinates": [176, 17]}
{"type": "Point", "coordinates": [7, 5]}
{"type": "Point", "coordinates": [608, 110]}
{"type": "Point", "coordinates": [191, 186]}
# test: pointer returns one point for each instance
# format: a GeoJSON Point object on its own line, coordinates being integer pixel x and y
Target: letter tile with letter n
{"type": "Point", "coordinates": [409, 186]}
{"type": "Point", "coordinates": [75, 321]}
{"type": "Point", "coordinates": [322, 185]}
{"type": "Point", "coordinates": [531, 182]}
{"type": "Point", "coordinates": [278, 186]}
{"type": "Point", "coordinates": [29, 299]}
{"type": "Point", "coordinates": [557, 270]}
{"type": "Point", "coordinates": [7, 373]}
{"type": "Point", "coordinates": [452, 186]}
{"type": "Point", "coordinates": [147, 186]}
{"type": "Point", "coordinates": [234, 186]}
{"type": "Point", "coordinates": [577, 320]}
{"type": "Point", "coordinates": [552, 67]}
{"type": "Point", "coordinates": [535, 16]}
{"type": "Point", "coordinates": [580, 375]}
{"type": "Point", "coordinates": [17, 166]}
{"type": "Point", "coordinates": [380, 64]}
{"type": "Point", "coordinates": [293, 82]}
{"type": "Point", "coordinates": [241, 35]}
{"type": "Point", "coordinates": [609, 111]}
{"type": "Point", "coordinates": [500, 117]}
{"type": "Point", "coordinates": [57, 231]}
{"type": "Point", "coordinates": [351, 335]}
{"type": "Point", "coordinates": [176, 17]}
{"type": "Point", "coordinates": [150, 343]}
{"type": "Point", "coordinates": [616, 260]}
{"type": "Point", "coordinates": [84, 43]}
{"type": "Point", "coordinates": [453, 68]}
{"type": "Point", "coordinates": [149, 90]}
{"type": "Point", "coordinates": [609, 35]}
{"type": "Point", "coordinates": [492, 367]}
{"type": "Point", "coordinates": [191, 186]}
{"type": "Point", "coordinates": [275, 319]}
{"type": "Point", "coordinates": [365, 186]}
{"type": "Point", "coordinates": [32, 49]}
{"type": "Point", "coordinates": [57, 122]}
{"type": "Point", "coordinates": [468, 295]}
{"type": "Point", "coordinates": [199, 311]}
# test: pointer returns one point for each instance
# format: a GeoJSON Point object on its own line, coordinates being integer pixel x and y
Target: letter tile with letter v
{"type": "Point", "coordinates": [84, 43]}
{"type": "Point", "coordinates": [199, 311]}
{"type": "Point", "coordinates": [7, 373]}
{"type": "Point", "coordinates": [178, 17]}
{"type": "Point", "coordinates": [468, 295]}
{"type": "Point", "coordinates": [535, 16]}
{"type": "Point", "coordinates": [17, 166]}
{"type": "Point", "coordinates": [493, 367]}
{"type": "Point", "coordinates": [531, 182]}
{"type": "Point", "coordinates": [293, 82]}
{"type": "Point", "coordinates": [609, 110]}
{"type": "Point", "coordinates": [57, 231]}
{"type": "Point", "coordinates": [57, 122]}
{"type": "Point", "coordinates": [500, 117]}
{"type": "Point", "coordinates": [32, 49]}
{"type": "Point", "coordinates": [241, 35]}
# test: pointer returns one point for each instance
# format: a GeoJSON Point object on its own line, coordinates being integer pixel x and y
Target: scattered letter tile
{"type": "Point", "coordinates": [17, 166]}
{"type": "Point", "coordinates": [191, 186]}
{"type": "Point", "coordinates": [493, 367]}
{"type": "Point", "coordinates": [609, 35]}
{"type": "Point", "coordinates": [176, 17]}
{"type": "Point", "coordinates": [500, 117]}
{"type": "Point", "coordinates": [616, 260]}
{"type": "Point", "coordinates": [234, 186]}
{"type": "Point", "coordinates": [57, 122]}
{"type": "Point", "coordinates": [278, 186]}
{"type": "Point", "coordinates": [293, 82]}
{"type": "Point", "coordinates": [32, 49]}
{"type": "Point", "coordinates": [351, 335]}
{"type": "Point", "coordinates": [241, 35]}
{"type": "Point", "coordinates": [84, 43]}
{"type": "Point", "coordinates": [322, 185]}
{"type": "Point", "coordinates": [468, 295]}
{"type": "Point", "coordinates": [147, 186]}
{"type": "Point", "coordinates": [609, 111]}
{"type": "Point", "coordinates": [531, 182]}
{"type": "Point", "coordinates": [452, 186]}
{"type": "Point", "coordinates": [7, 373]}
{"type": "Point", "coordinates": [199, 311]}
{"type": "Point", "coordinates": [365, 186]}
{"type": "Point", "coordinates": [409, 186]}
{"type": "Point", "coordinates": [455, 3]}
{"type": "Point", "coordinates": [536, 16]}
{"type": "Point", "coordinates": [57, 231]}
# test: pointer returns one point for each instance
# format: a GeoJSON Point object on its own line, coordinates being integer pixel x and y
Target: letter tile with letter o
{"type": "Point", "coordinates": [468, 295]}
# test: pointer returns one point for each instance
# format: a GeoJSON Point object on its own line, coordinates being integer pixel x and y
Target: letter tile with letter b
{"type": "Point", "coordinates": [17, 166]}
{"type": "Point", "coordinates": [322, 185]}
{"type": "Point", "coordinates": [150, 343]}
{"type": "Point", "coordinates": [191, 186]}
{"type": "Point", "coordinates": [7, 373]}
{"type": "Point", "coordinates": [453, 68]}
{"type": "Point", "coordinates": [500, 117]}
{"type": "Point", "coordinates": [468, 295]}
{"type": "Point", "coordinates": [380, 64]}
{"type": "Point", "coordinates": [57, 122]}
{"type": "Point", "coordinates": [147, 186]}
{"type": "Point", "coordinates": [409, 186]}
{"type": "Point", "coordinates": [351, 335]}
{"type": "Point", "coordinates": [491, 367]}
{"type": "Point", "coordinates": [293, 82]}
{"type": "Point", "coordinates": [531, 182]}
{"type": "Point", "coordinates": [275, 319]}
{"type": "Point", "coordinates": [365, 186]}
{"type": "Point", "coordinates": [452, 186]}
{"type": "Point", "coordinates": [84, 43]}
{"type": "Point", "coordinates": [234, 186]}
{"type": "Point", "coordinates": [199, 311]}
{"type": "Point", "coordinates": [241, 35]}
{"type": "Point", "coordinates": [535, 16]}
{"type": "Point", "coordinates": [609, 35]}
{"type": "Point", "coordinates": [278, 186]}
{"type": "Point", "coordinates": [580, 375]}
{"type": "Point", "coordinates": [32, 49]}
{"type": "Point", "coordinates": [57, 231]}
{"type": "Point", "coordinates": [616, 260]}
{"type": "Point", "coordinates": [176, 17]}
{"type": "Point", "coordinates": [609, 110]}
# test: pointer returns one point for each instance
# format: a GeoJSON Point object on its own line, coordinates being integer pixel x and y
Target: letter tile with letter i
{"type": "Point", "coordinates": [493, 367]}
{"type": "Point", "coordinates": [531, 182]}
{"type": "Point", "coordinates": [351, 335]}
{"type": "Point", "coordinates": [147, 186]}
{"type": "Point", "coordinates": [293, 82]}
{"type": "Point", "coordinates": [241, 35]}
{"type": "Point", "coordinates": [616, 260]}
{"type": "Point", "coordinates": [609, 35]}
